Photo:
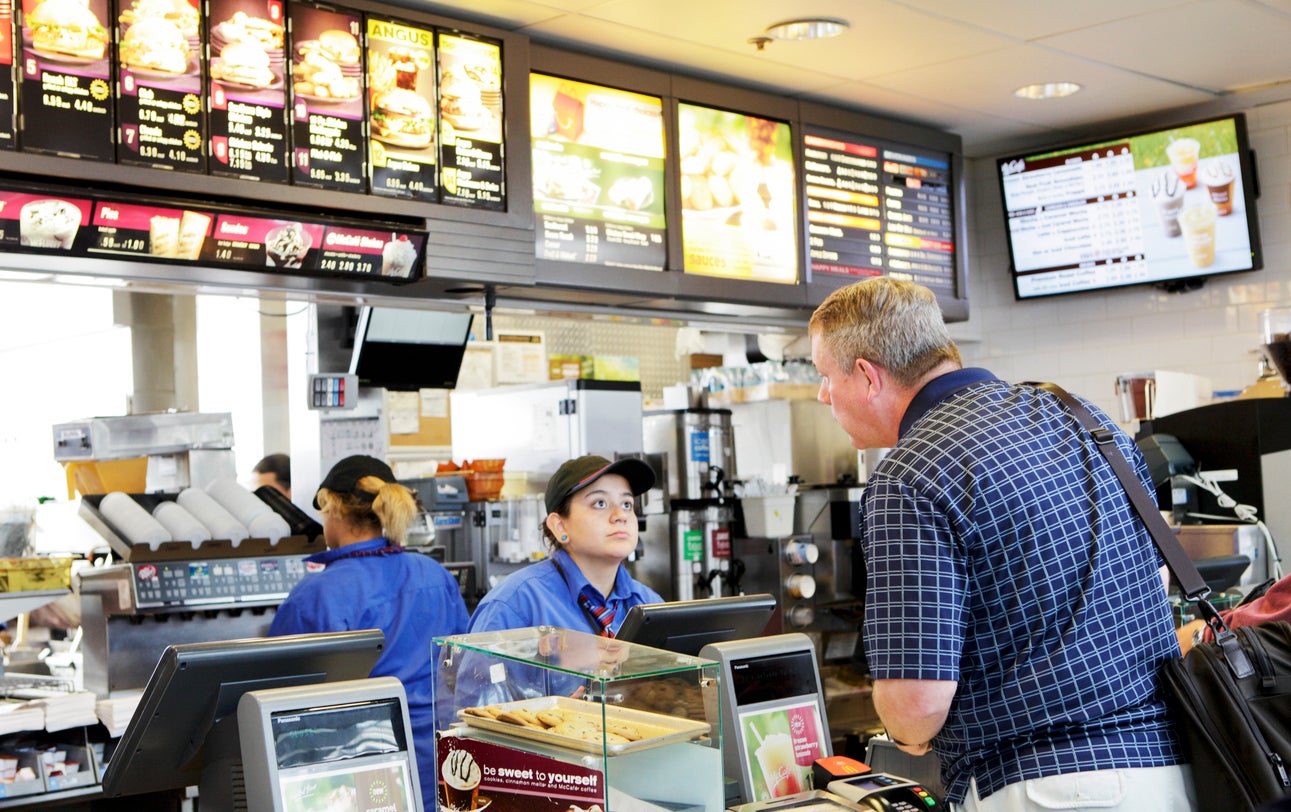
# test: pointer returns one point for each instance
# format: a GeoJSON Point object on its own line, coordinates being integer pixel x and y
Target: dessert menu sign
{"type": "Point", "coordinates": [401, 110]}
{"type": "Point", "coordinates": [874, 209]}
{"type": "Point", "coordinates": [470, 114]}
{"type": "Point", "coordinates": [65, 93]}
{"type": "Point", "coordinates": [248, 241]}
{"type": "Point", "coordinates": [326, 98]}
{"type": "Point", "coordinates": [159, 82]}
{"type": "Point", "coordinates": [738, 201]}
{"type": "Point", "coordinates": [160, 232]}
{"type": "Point", "coordinates": [598, 168]}
{"type": "Point", "coordinates": [7, 122]}
{"type": "Point", "coordinates": [248, 91]}
{"type": "Point", "coordinates": [37, 220]}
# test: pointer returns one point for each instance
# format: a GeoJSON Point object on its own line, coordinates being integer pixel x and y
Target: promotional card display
{"type": "Point", "coordinates": [35, 220]}
{"type": "Point", "coordinates": [160, 106]}
{"type": "Point", "coordinates": [401, 110]}
{"type": "Point", "coordinates": [8, 124]}
{"type": "Point", "coordinates": [737, 195]}
{"type": "Point", "coordinates": [65, 93]}
{"type": "Point", "coordinates": [248, 90]}
{"type": "Point", "coordinates": [326, 98]}
{"type": "Point", "coordinates": [874, 209]}
{"type": "Point", "coordinates": [152, 231]}
{"type": "Point", "coordinates": [470, 114]}
{"type": "Point", "coordinates": [598, 174]}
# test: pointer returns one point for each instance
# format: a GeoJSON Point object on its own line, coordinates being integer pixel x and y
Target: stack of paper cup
{"type": "Point", "coordinates": [209, 512]}
{"type": "Point", "coordinates": [134, 522]}
{"type": "Point", "coordinates": [260, 519]}
{"type": "Point", "coordinates": [183, 526]}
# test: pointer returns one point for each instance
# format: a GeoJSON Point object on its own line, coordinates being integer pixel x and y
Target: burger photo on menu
{"type": "Point", "coordinates": [155, 47]}
{"type": "Point", "coordinates": [245, 64]}
{"type": "Point", "coordinates": [177, 12]}
{"type": "Point", "coordinates": [67, 31]}
{"type": "Point", "coordinates": [402, 118]}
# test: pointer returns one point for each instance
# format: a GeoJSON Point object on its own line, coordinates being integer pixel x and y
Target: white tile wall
{"type": "Point", "coordinates": [1084, 341]}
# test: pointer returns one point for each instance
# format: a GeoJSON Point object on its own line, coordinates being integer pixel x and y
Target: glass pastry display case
{"type": "Point", "coordinates": [545, 718]}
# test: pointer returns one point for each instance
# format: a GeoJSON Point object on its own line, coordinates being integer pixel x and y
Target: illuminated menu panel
{"type": "Point", "coordinates": [598, 174]}
{"type": "Point", "coordinates": [738, 195]}
{"type": "Point", "coordinates": [401, 110]}
{"type": "Point", "coordinates": [875, 209]}
{"type": "Point", "coordinates": [327, 248]}
{"type": "Point", "coordinates": [160, 88]}
{"type": "Point", "coordinates": [66, 89]}
{"type": "Point", "coordinates": [327, 110]}
{"type": "Point", "coordinates": [8, 125]}
{"type": "Point", "coordinates": [248, 90]}
{"type": "Point", "coordinates": [470, 115]}
{"type": "Point", "coordinates": [50, 222]}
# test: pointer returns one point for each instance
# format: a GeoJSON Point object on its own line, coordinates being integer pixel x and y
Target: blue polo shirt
{"type": "Point", "coordinates": [1003, 553]}
{"type": "Point", "coordinates": [546, 594]}
{"type": "Point", "coordinates": [408, 596]}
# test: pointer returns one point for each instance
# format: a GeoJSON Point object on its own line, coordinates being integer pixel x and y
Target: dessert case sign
{"type": "Point", "coordinates": [401, 110]}
{"type": "Point", "coordinates": [159, 79]}
{"type": "Point", "coordinates": [65, 93]}
{"type": "Point", "coordinates": [470, 114]}
{"type": "Point", "coordinates": [248, 91]}
{"type": "Point", "coordinates": [326, 98]}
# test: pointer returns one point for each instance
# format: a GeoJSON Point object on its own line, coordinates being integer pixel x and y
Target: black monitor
{"type": "Point", "coordinates": [185, 726]}
{"type": "Point", "coordinates": [685, 627]}
{"type": "Point", "coordinates": [406, 350]}
{"type": "Point", "coordinates": [1221, 572]}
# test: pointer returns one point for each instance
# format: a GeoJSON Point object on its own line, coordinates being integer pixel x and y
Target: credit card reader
{"type": "Point", "coordinates": [886, 793]}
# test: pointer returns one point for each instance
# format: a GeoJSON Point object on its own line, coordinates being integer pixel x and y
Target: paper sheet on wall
{"type": "Point", "coordinates": [434, 403]}
{"type": "Point", "coordinates": [521, 357]}
{"type": "Point", "coordinates": [404, 411]}
{"type": "Point", "coordinates": [477, 367]}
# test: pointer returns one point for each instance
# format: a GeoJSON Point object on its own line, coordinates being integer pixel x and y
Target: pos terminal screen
{"type": "Point", "coordinates": [763, 679]}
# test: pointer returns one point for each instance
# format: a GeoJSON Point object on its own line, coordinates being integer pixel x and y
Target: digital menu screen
{"type": "Point", "coordinates": [327, 98]}
{"type": "Point", "coordinates": [248, 90]}
{"type": "Point", "coordinates": [598, 174]}
{"type": "Point", "coordinates": [470, 115]}
{"type": "Point", "coordinates": [401, 110]}
{"type": "Point", "coordinates": [42, 221]}
{"type": "Point", "coordinates": [874, 208]}
{"type": "Point", "coordinates": [8, 124]}
{"type": "Point", "coordinates": [66, 88]}
{"type": "Point", "coordinates": [327, 248]}
{"type": "Point", "coordinates": [162, 232]}
{"type": "Point", "coordinates": [738, 195]}
{"type": "Point", "coordinates": [160, 103]}
{"type": "Point", "coordinates": [1157, 206]}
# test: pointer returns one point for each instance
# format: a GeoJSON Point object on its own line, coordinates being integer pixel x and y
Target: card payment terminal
{"type": "Point", "coordinates": [886, 793]}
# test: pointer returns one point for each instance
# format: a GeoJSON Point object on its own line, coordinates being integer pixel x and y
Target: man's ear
{"type": "Point", "coordinates": [873, 374]}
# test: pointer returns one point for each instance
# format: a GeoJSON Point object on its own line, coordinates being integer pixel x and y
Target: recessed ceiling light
{"type": "Point", "coordinates": [1046, 90]}
{"type": "Point", "coordinates": [808, 28]}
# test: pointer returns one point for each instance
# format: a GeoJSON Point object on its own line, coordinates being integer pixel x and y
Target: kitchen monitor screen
{"type": "Point", "coordinates": [407, 350]}
{"type": "Point", "coordinates": [1160, 207]}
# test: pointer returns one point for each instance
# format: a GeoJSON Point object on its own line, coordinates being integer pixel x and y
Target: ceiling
{"type": "Point", "coordinates": [949, 64]}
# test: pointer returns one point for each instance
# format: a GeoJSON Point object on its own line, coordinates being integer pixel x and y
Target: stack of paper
{"type": "Point", "coordinates": [17, 716]}
{"type": "Point", "coordinates": [69, 710]}
{"type": "Point", "coordinates": [115, 712]}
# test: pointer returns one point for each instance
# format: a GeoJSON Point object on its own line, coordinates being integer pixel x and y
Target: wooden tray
{"type": "Point", "coordinates": [656, 728]}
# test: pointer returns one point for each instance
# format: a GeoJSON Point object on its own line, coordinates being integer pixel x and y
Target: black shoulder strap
{"type": "Point", "coordinates": [1176, 558]}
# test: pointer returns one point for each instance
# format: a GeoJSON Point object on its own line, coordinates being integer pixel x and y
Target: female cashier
{"type": "Point", "coordinates": [369, 582]}
{"type": "Point", "coordinates": [591, 527]}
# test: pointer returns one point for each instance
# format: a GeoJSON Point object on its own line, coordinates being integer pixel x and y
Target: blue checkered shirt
{"type": "Point", "coordinates": [1003, 553]}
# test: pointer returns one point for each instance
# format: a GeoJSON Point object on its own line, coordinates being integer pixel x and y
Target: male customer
{"type": "Point", "coordinates": [1015, 613]}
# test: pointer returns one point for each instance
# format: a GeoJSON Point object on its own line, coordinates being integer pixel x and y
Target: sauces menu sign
{"type": "Point", "coordinates": [598, 174]}
{"type": "Point", "coordinates": [66, 89]}
{"type": "Point", "coordinates": [737, 196]}
{"type": "Point", "coordinates": [876, 209]}
{"type": "Point", "coordinates": [160, 87]}
{"type": "Point", "coordinates": [401, 110]}
{"type": "Point", "coordinates": [247, 90]}
{"type": "Point", "coordinates": [326, 98]}
{"type": "Point", "coordinates": [470, 114]}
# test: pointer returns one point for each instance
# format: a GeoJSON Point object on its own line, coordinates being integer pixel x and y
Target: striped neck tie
{"type": "Point", "coordinates": [603, 615]}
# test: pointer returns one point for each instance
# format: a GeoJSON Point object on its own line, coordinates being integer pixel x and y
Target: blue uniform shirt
{"type": "Point", "coordinates": [410, 598]}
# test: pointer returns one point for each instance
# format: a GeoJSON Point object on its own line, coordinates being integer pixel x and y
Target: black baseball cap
{"type": "Point", "coordinates": [580, 472]}
{"type": "Point", "coordinates": [345, 475]}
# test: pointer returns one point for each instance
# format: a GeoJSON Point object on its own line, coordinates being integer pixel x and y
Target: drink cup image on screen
{"type": "Point", "coordinates": [775, 759]}
{"type": "Point", "coordinates": [163, 236]}
{"type": "Point", "coordinates": [1183, 154]}
{"type": "Point", "coordinates": [460, 775]}
{"type": "Point", "coordinates": [1167, 197]}
{"type": "Point", "coordinates": [48, 224]}
{"type": "Point", "coordinates": [1217, 177]}
{"type": "Point", "coordinates": [1198, 225]}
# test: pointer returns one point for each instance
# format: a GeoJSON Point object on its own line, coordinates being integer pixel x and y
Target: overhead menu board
{"type": "Point", "coordinates": [598, 174]}
{"type": "Point", "coordinates": [248, 90]}
{"type": "Point", "coordinates": [8, 124]}
{"type": "Point", "coordinates": [327, 98]}
{"type": "Point", "coordinates": [875, 208]}
{"type": "Point", "coordinates": [66, 90]}
{"type": "Point", "coordinates": [107, 226]}
{"type": "Point", "coordinates": [160, 87]}
{"type": "Point", "coordinates": [470, 114]}
{"type": "Point", "coordinates": [401, 110]}
{"type": "Point", "coordinates": [738, 198]}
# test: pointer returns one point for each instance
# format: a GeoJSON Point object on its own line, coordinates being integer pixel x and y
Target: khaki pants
{"type": "Point", "coordinates": [1161, 789]}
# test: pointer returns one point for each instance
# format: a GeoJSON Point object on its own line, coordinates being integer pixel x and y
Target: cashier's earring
{"type": "Point", "coordinates": [564, 538]}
